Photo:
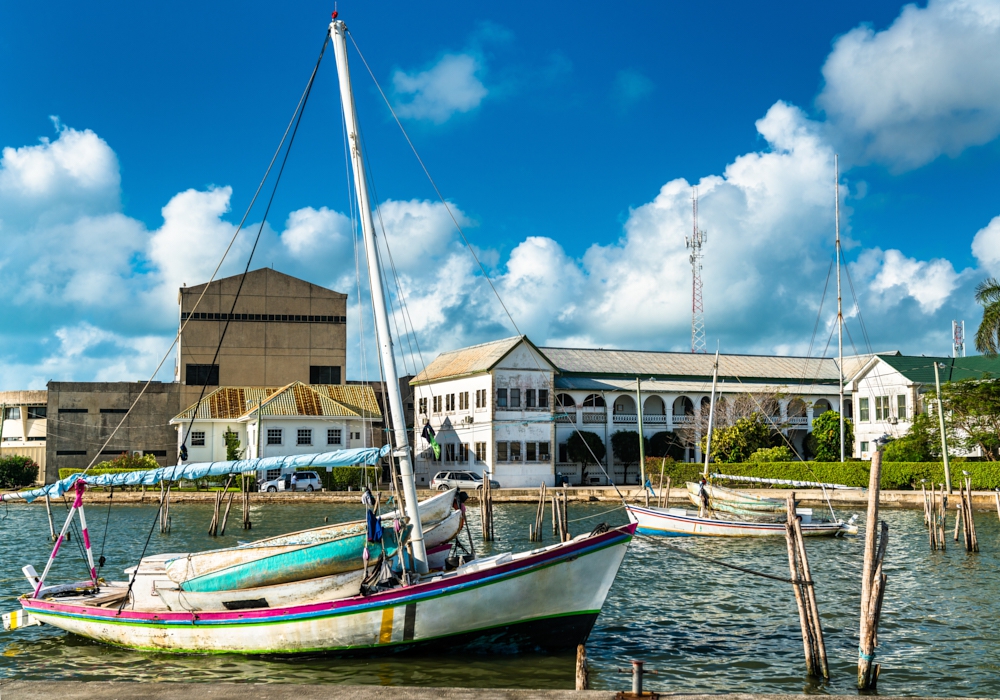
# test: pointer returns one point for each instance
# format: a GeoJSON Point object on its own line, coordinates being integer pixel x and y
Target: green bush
{"type": "Point", "coordinates": [126, 462]}
{"type": "Point", "coordinates": [94, 471]}
{"type": "Point", "coordinates": [772, 454]}
{"type": "Point", "coordinates": [339, 478]}
{"type": "Point", "coordinates": [740, 440]}
{"type": "Point", "coordinates": [17, 471]}
{"type": "Point", "coordinates": [825, 442]}
{"type": "Point", "coordinates": [895, 475]}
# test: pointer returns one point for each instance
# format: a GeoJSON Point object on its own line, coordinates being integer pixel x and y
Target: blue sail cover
{"type": "Point", "coordinates": [199, 470]}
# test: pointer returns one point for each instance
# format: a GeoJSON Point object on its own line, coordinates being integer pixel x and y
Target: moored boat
{"type": "Point", "coordinates": [677, 521]}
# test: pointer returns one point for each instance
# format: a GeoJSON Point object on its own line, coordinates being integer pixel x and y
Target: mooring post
{"type": "Point", "coordinates": [582, 675]}
{"type": "Point", "coordinates": [871, 587]}
{"type": "Point", "coordinates": [637, 678]}
{"type": "Point", "coordinates": [52, 529]}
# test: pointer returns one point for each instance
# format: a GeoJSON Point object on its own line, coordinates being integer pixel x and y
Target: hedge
{"type": "Point", "coordinates": [895, 475]}
{"type": "Point", "coordinates": [339, 478]}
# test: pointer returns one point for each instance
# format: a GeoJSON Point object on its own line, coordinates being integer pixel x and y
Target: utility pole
{"type": "Point", "coordinates": [642, 448]}
{"type": "Point", "coordinates": [840, 310]}
{"type": "Point", "coordinates": [694, 242]}
{"type": "Point", "coordinates": [944, 437]}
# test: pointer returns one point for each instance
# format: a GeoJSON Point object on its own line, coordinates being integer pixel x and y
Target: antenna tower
{"type": "Point", "coordinates": [958, 338]}
{"type": "Point", "coordinates": [694, 242]}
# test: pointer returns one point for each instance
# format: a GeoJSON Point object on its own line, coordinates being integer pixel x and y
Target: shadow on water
{"type": "Point", "coordinates": [704, 628]}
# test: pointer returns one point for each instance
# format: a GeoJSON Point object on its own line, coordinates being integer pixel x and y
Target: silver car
{"type": "Point", "coordinates": [304, 481]}
{"type": "Point", "coordinates": [443, 481]}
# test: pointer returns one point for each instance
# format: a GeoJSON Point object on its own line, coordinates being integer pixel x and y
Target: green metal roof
{"type": "Point", "coordinates": [921, 369]}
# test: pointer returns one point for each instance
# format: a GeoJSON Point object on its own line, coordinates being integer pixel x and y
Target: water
{"type": "Point", "coordinates": [703, 627]}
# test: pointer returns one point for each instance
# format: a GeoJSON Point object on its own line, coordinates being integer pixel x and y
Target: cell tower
{"type": "Point", "coordinates": [958, 339]}
{"type": "Point", "coordinates": [694, 242]}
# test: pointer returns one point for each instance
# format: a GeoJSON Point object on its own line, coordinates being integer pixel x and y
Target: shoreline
{"type": "Point", "coordinates": [981, 500]}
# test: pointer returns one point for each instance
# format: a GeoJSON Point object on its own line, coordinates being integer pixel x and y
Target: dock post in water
{"type": "Point", "coordinates": [52, 529]}
{"type": "Point", "coordinates": [872, 581]}
{"type": "Point", "coordinates": [582, 674]}
{"type": "Point", "coordinates": [808, 647]}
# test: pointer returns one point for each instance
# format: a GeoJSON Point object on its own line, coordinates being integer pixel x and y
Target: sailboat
{"type": "Point", "coordinates": [726, 512]}
{"type": "Point", "coordinates": [547, 598]}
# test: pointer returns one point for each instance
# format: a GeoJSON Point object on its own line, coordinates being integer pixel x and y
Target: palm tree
{"type": "Point", "coordinates": [988, 335]}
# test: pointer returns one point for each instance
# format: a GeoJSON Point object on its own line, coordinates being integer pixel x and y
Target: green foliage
{"type": "Point", "coordinates": [339, 478]}
{"type": "Point", "coordinates": [93, 471]}
{"type": "Point", "coordinates": [625, 445]}
{"type": "Point", "coordinates": [826, 437]}
{"type": "Point", "coordinates": [665, 443]}
{"type": "Point", "coordinates": [895, 475]}
{"type": "Point", "coordinates": [126, 462]}
{"type": "Point", "coordinates": [988, 294]}
{"type": "Point", "coordinates": [740, 440]}
{"type": "Point", "coordinates": [781, 453]}
{"type": "Point", "coordinates": [920, 444]}
{"type": "Point", "coordinates": [232, 440]}
{"type": "Point", "coordinates": [972, 410]}
{"type": "Point", "coordinates": [585, 449]}
{"type": "Point", "coordinates": [17, 471]}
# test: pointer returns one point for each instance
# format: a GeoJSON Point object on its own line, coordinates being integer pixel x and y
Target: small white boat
{"type": "Point", "coordinates": [739, 500]}
{"type": "Point", "coordinates": [679, 522]}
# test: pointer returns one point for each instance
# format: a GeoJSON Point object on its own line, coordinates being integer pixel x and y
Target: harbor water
{"type": "Point", "coordinates": [704, 628]}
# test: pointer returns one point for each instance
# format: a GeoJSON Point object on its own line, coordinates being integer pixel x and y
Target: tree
{"type": "Point", "coordinates": [625, 445]}
{"type": "Point", "coordinates": [826, 437]}
{"type": "Point", "coordinates": [972, 410]}
{"type": "Point", "coordinates": [17, 471]}
{"type": "Point", "coordinates": [781, 453]}
{"type": "Point", "coordinates": [129, 461]}
{"type": "Point", "coordinates": [665, 443]}
{"type": "Point", "coordinates": [585, 447]}
{"type": "Point", "coordinates": [232, 440]}
{"type": "Point", "coordinates": [920, 444]}
{"type": "Point", "coordinates": [988, 335]}
{"type": "Point", "coordinates": [737, 442]}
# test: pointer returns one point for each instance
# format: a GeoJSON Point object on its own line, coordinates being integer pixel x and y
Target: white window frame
{"type": "Point", "coordinates": [279, 433]}
{"type": "Point", "coordinates": [301, 433]}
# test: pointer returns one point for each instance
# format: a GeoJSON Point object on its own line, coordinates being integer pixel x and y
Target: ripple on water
{"type": "Point", "coordinates": [705, 628]}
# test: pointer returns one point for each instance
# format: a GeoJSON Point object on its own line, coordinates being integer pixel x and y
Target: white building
{"type": "Point", "coordinates": [294, 419]}
{"type": "Point", "coordinates": [23, 425]}
{"type": "Point", "coordinates": [889, 389]}
{"type": "Point", "coordinates": [509, 407]}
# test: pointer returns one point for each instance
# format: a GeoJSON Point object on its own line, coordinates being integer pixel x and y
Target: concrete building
{"type": "Point", "coordinates": [889, 390]}
{"type": "Point", "coordinates": [282, 330]}
{"type": "Point", "coordinates": [509, 407]}
{"type": "Point", "coordinates": [294, 419]}
{"type": "Point", "coordinates": [82, 416]}
{"type": "Point", "coordinates": [23, 425]}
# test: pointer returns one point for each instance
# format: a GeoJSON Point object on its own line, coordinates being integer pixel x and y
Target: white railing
{"type": "Point", "coordinates": [566, 416]}
{"type": "Point", "coordinates": [798, 420]}
{"type": "Point", "coordinates": [654, 418]}
{"type": "Point", "coordinates": [625, 418]}
{"type": "Point", "coordinates": [595, 417]}
{"type": "Point", "coordinates": [684, 420]}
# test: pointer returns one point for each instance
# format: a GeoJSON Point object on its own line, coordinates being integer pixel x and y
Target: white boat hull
{"type": "Point", "coordinates": [677, 522]}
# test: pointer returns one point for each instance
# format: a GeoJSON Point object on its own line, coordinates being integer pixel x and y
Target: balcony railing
{"type": "Point", "coordinates": [566, 417]}
{"type": "Point", "coordinates": [798, 420]}
{"type": "Point", "coordinates": [624, 418]}
{"type": "Point", "coordinates": [683, 420]}
{"type": "Point", "coordinates": [654, 418]}
{"type": "Point", "coordinates": [595, 417]}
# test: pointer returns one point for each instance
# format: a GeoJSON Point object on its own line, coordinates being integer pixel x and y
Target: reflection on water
{"type": "Point", "coordinates": [703, 627]}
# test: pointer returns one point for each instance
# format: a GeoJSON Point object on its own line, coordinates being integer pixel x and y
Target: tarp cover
{"type": "Point", "coordinates": [200, 470]}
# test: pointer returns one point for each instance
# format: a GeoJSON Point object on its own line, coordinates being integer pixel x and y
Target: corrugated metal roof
{"type": "Point", "coordinates": [632, 363]}
{"type": "Point", "coordinates": [921, 369]}
{"type": "Point", "coordinates": [471, 360]}
{"type": "Point", "coordinates": [693, 387]}
{"type": "Point", "coordinates": [296, 399]}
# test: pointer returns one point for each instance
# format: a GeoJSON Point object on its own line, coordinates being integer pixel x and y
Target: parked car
{"type": "Point", "coordinates": [443, 481]}
{"type": "Point", "coordinates": [304, 481]}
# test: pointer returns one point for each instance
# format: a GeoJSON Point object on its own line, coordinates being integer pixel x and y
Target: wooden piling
{"type": "Point", "coordinates": [555, 519]}
{"type": "Point", "coordinates": [539, 515]}
{"type": "Point", "coordinates": [565, 515]}
{"type": "Point", "coordinates": [931, 516]}
{"type": "Point", "coordinates": [927, 509]}
{"type": "Point", "coordinates": [52, 529]}
{"type": "Point", "coordinates": [659, 489]}
{"type": "Point", "coordinates": [807, 642]}
{"type": "Point", "coordinates": [225, 517]}
{"type": "Point", "coordinates": [666, 496]}
{"type": "Point", "coordinates": [809, 589]}
{"type": "Point", "coordinates": [872, 581]}
{"type": "Point", "coordinates": [942, 518]}
{"type": "Point", "coordinates": [582, 674]}
{"type": "Point", "coordinates": [970, 520]}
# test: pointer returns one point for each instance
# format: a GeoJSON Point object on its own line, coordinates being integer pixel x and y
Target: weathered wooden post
{"type": "Point", "coordinates": [582, 674]}
{"type": "Point", "coordinates": [807, 641]}
{"type": "Point", "coordinates": [52, 529]}
{"type": "Point", "coordinates": [872, 581]}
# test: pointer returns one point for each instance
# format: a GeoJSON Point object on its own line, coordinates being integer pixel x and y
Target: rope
{"type": "Point", "coordinates": [727, 564]}
{"type": "Point", "coordinates": [603, 512]}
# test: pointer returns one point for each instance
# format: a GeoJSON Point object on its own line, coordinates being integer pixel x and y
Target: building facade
{"type": "Point", "coordinates": [509, 407]}
{"type": "Point", "coordinates": [23, 425]}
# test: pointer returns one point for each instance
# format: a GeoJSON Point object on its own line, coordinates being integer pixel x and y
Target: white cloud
{"type": "Point", "coordinates": [631, 86]}
{"type": "Point", "coordinates": [986, 246]}
{"type": "Point", "coordinates": [926, 86]}
{"type": "Point", "coordinates": [929, 283]}
{"type": "Point", "coordinates": [450, 86]}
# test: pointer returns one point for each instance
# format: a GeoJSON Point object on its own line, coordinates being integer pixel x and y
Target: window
{"type": "Point", "coordinates": [449, 452]}
{"type": "Point", "coordinates": [437, 404]}
{"type": "Point", "coordinates": [449, 402]}
{"type": "Point", "coordinates": [529, 398]}
{"type": "Point", "coordinates": [333, 436]}
{"type": "Point", "coordinates": [197, 438]}
{"type": "Point", "coordinates": [72, 410]}
{"type": "Point", "coordinates": [563, 452]}
{"type": "Point", "coordinates": [863, 409]}
{"type": "Point", "coordinates": [502, 452]}
{"type": "Point", "coordinates": [37, 411]}
{"type": "Point", "coordinates": [304, 436]}
{"type": "Point", "coordinates": [114, 410]}
{"type": "Point", "coordinates": [463, 401]}
{"type": "Point", "coordinates": [274, 436]}
{"type": "Point", "coordinates": [155, 453]}
{"type": "Point", "coordinates": [70, 452]}
{"type": "Point", "coordinates": [11, 439]}
{"type": "Point", "coordinates": [543, 452]}
{"type": "Point", "coordinates": [463, 452]}
{"type": "Point", "coordinates": [530, 452]}
{"type": "Point", "coordinates": [324, 374]}
{"type": "Point", "coordinates": [202, 375]}
{"type": "Point", "coordinates": [881, 408]}
{"type": "Point", "coordinates": [515, 398]}
{"type": "Point", "coordinates": [543, 398]}
{"type": "Point", "coordinates": [423, 406]}
{"type": "Point", "coordinates": [901, 407]}
{"type": "Point", "coordinates": [480, 450]}
{"type": "Point", "coordinates": [501, 398]}
{"type": "Point", "coordinates": [515, 452]}
{"type": "Point", "coordinates": [480, 398]}
{"type": "Point", "coordinates": [357, 436]}
{"type": "Point", "coordinates": [864, 446]}
{"type": "Point", "coordinates": [13, 413]}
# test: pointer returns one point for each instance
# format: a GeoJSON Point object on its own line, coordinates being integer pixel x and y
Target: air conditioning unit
{"type": "Point", "coordinates": [893, 421]}
{"type": "Point", "coordinates": [137, 453]}
{"type": "Point", "coordinates": [469, 419]}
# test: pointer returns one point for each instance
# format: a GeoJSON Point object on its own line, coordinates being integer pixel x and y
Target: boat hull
{"type": "Point", "coordinates": [675, 522]}
{"type": "Point", "coordinates": [546, 600]}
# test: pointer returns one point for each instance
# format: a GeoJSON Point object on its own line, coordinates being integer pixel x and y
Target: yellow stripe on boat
{"type": "Point", "coordinates": [385, 633]}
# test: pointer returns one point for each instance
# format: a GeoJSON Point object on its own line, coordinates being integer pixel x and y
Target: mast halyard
{"type": "Point", "coordinates": [338, 32]}
{"type": "Point", "coordinates": [840, 312]}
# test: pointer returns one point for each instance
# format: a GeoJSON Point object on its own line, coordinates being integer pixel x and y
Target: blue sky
{"type": "Point", "coordinates": [567, 136]}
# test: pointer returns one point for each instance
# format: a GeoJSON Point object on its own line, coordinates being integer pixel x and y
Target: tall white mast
{"type": "Point", "coordinates": [338, 31]}
{"type": "Point", "coordinates": [711, 411]}
{"type": "Point", "coordinates": [840, 312]}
